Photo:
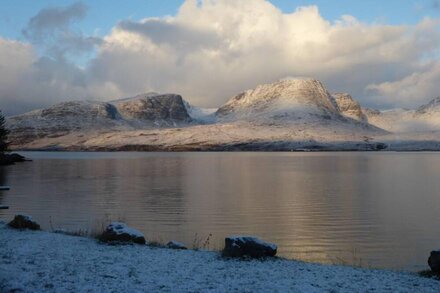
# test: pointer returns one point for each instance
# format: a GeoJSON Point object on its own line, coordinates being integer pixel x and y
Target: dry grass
{"type": "Point", "coordinates": [355, 260]}
{"type": "Point", "coordinates": [200, 243]}
{"type": "Point", "coordinates": [95, 232]}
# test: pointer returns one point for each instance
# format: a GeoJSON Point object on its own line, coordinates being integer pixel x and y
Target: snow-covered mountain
{"type": "Point", "coordinates": [425, 118]}
{"type": "Point", "coordinates": [289, 114]}
{"type": "Point", "coordinates": [142, 111]}
{"type": "Point", "coordinates": [290, 99]}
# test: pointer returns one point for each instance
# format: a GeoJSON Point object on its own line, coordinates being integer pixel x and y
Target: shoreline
{"type": "Point", "coordinates": [255, 146]}
{"type": "Point", "coordinates": [110, 150]}
{"type": "Point", "coordinates": [43, 261]}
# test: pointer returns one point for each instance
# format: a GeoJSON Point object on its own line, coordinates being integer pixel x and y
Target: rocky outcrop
{"type": "Point", "coordinates": [349, 107]}
{"type": "Point", "coordinates": [243, 246]}
{"type": "Point", "coordinates": [434, 261]}
{"type": "Point", "coordinates": [10, 159]}
{"type": "Point", "coordinates": [285, 99]}
{"type": "Point", "coordinates": [24, 222]}
{"type": "Point", "coordinates": [169, 107]}
{"type": "Point", "coordinates": [118, 232]}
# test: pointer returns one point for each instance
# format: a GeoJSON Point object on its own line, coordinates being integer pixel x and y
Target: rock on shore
{"type": "Point", "coordinates": [40, 261]}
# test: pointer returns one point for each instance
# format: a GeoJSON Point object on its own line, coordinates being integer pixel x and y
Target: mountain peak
{"type": "Point", "coordinates": [432, 106]}
{"type": "Point", "coordinates": [287, 97]}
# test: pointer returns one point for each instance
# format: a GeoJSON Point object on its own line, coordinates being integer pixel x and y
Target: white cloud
{"type": "Point", "coordinates": [214, 49]}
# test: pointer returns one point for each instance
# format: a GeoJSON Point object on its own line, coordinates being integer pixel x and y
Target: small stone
{"type": "Point", "coordinates": [24, 222]}
{"type": "Point", "coordinates": [118, 232]}
{"type": "Point", "coordinates": [241, 246]}
{"type": "Point", "coordinates": [176, 245]}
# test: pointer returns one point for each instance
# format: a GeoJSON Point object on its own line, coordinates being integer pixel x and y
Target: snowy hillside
{"type": "Point", "coordinates": [425, 118]}
{"type": "Point", "coordinates": [143, 111]}
{"type": "Point", "coordinates": [293, 114]}
{"type": "Point", "coordinates": [290, 99]}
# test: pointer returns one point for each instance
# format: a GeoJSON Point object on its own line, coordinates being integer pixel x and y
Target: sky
{"type": "Point", "coordinates": [385, 53]}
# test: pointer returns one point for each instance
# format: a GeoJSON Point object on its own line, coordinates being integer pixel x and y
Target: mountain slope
{"type": "Point", "coordinates": [425, 118]}
{"type": "Point", "coordinates": [143, 111]}
{"type": "Point", "coordinates": [290, 99]}
{"type": "Point", "coordinates": [285, 115]}
{"type": "Point", "coordinates": [349, 107]}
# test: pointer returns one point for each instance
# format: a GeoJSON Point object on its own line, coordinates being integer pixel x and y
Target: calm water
{"type": "Point", "coordinates": [370, 209]}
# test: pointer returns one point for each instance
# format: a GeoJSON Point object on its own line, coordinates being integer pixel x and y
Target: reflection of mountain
{"type": "Point", "coordinates": [315, 206]}
{"type": "Point", "coordinates": [86, 192]}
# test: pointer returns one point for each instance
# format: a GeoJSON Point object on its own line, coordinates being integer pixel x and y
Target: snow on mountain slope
{"type": "Point", "coordinates": [143, 111]}
{"type": "Point", "coordinates": [394, 120]}
{"type": "Point", "coordinates": [290, 99]}
{"type": "Point", "coordinates": [349, 107]}
{"type": "Point", "coordinates": [285, 115]}
{"type": "Point", "coordinates": [425, 118]}
{"type": "Point", "coordinates": [201, 115]}
{"type": "Point", "coordinates": [61, 119]}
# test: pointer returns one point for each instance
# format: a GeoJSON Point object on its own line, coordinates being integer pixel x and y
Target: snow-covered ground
{"type": "Point", "coordinates": [49, 262]}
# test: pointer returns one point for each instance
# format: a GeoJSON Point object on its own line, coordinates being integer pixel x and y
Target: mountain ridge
{"type": "Point", "coordinates": [292, 114]}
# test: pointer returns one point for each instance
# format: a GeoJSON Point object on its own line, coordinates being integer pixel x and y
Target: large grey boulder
{"type": "Point", "coordinates": [24, 222]}
{"type": "Point", "coordinates": [118, 232]}
{"type": "Point", "coordinates": [241, 246]}
{"type": "Point", "coordinates": [434, 261]}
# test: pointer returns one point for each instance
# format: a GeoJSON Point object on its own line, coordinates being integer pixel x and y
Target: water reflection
{"type": "Point", "coordinates": [325, 207]}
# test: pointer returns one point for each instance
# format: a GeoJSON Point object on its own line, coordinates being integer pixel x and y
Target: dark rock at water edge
{"type": "Point", "coordinates": [434, 261]}
{"type": "Point", "coordinates": [176, 245]}
{"type": "Point", "coordinates": [10, 159]}
{"type": "Point", "coordinates": [248, 246]}
{"type": "Point", "coordinates": [118, 232]}
{"type": "Point", "coordinates": [23, 222]}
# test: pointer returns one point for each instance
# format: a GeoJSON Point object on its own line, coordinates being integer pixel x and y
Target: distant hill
{"type": "Point", "coordinates": [291, 114]}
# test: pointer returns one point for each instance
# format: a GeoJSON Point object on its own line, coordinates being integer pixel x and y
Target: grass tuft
{"type": "Point", "coordinates": [201, 243]}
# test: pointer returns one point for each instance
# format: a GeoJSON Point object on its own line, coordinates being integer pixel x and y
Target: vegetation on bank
{"type": "Point", "coordinates": [7, 159]}
{"type": "Point", "coordinates": [4, 132]}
